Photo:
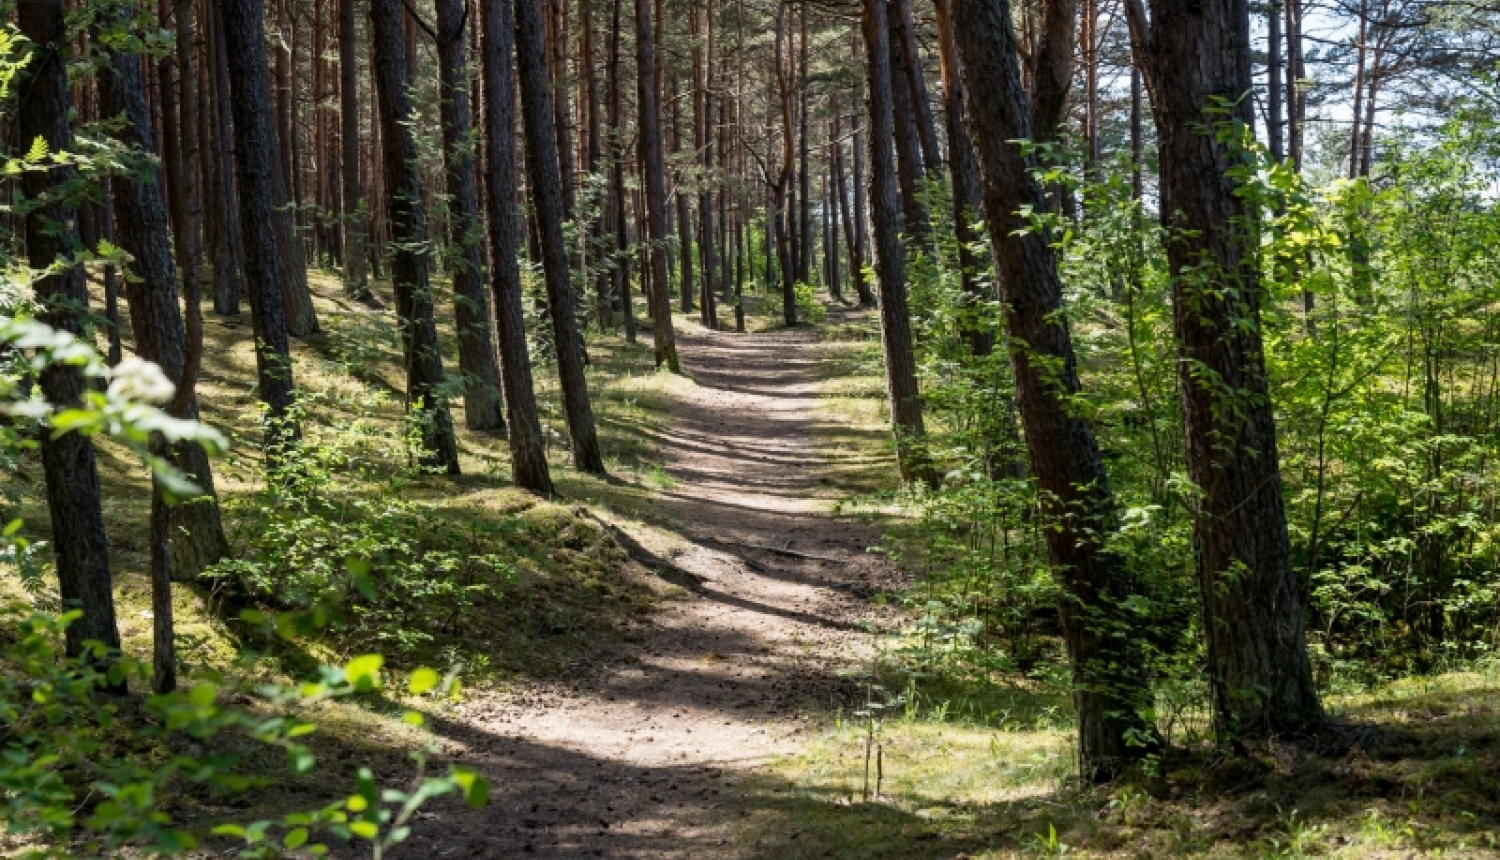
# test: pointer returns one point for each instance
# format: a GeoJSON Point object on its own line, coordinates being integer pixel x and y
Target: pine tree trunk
{"type": "Point", "coordinates": [255, 167]}
{"type": "Point", "coordinates": [547, 200]}
{"type": "Point", "coordinates": [804, 243]}
{"type": "Point", "coordinates": [1109, 687]}
{"type": "Point", "coordinates": [702, 136]}
{"type": "Point", "coordinates": [964, 173]}
{"type": "Point", "coordinates": [409, 277]}
{"type": "Point", "coordinates": [73, 495]}
{"type": "Point", "coordinates": [528, 453]}
{"type": "Point", "coordinates": [655, 186]}
{"type": "Point", "coordinates": [684, 207]}
{"type": "Point", "coordinates": [904, 39]}
{"type": "Point", "coordinates": [1195, 54]}
{"type": "Point", "coordinates": [857, 254]}
{"type": "Point", "coordinates": [916, 227]}
{"type": "Point", "coordinates": [227, 252]}
{"type": "Point", "coordinates": [471, 316]}
{"type": "Point", "coordinates": [155, 318]}
{"type": "Point", "coordinates": [620, 265]}
{"type": "Point", "coordinates": [890, 257]}
{"type": "Point", "coordinates": [356, 211]}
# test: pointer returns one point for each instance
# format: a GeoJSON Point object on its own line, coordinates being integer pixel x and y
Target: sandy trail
{"type": "Point", "coordinates": [644, 754]}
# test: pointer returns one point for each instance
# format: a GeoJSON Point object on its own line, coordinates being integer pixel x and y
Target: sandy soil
{"type": "Point", "coordinates": [645, 752]}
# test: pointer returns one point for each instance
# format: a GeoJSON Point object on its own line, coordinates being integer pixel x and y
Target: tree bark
{"type": "Point", "coordinates": [547, 201]}
{"type": "Point", "coordinates": [703, 127]}
{"type": "Point", "coordinates": [1110, 692]}
{"type": "Point", "coordinates": [861, 226]}
{"type": "Point", "coordinates": [528, 453]}
{"type": "Point", "coordinates": [403, 188]}
{"type": "Point", "coordinates": [1196, 58]}
{"type": "Point", "coordinates": [655, 187]}
{"type": "Point", "coordinates": [227, 253]}
{"type": "Point", "coordinates": [155, 318]}
{"type": "Point", "coordinates": [963, 170]}
{"type": "Point", "coordinates": [255, 165]}
{"type": "Point", "coordinates": [684, 206]}
{"type": "Point", "coordinates": [910, 173]}
{"type": "Point", "coordinates": [356, 211]}
{"type": "Point", "coordinates": [73, 494]}
{"type": "Point", "coordinates": [471, 317]}
{"type": "Point", "coordinates": [890, 257]}
{"type": "Point", "coordinates": [620, 265]}
{"type": "Point", "coordinates": [1051, 67]}
{"type": "Point", "coordinates": [904, 38]}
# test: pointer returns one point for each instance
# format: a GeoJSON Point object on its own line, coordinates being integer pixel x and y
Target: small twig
{"type": "Point", "coordinates": [788, 552]}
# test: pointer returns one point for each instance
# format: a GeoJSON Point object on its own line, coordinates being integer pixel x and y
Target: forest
{"type": "Point", "coordinates": [750, 428]}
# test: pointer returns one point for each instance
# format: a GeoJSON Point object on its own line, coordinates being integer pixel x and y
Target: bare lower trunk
{"type": "Point", "coordinates": [355, 208]}
{"type": "Point", "coordinates": [73, 495]}
{"type": "Point", "coordinates": [156, 321]}
{"type": "Point", "coordinates": [890, 257]}
{"type": "Point", "coordinates": [245, 52]}
{"type": "Point", "coordinates": [547, 201]}
{"type": "Point", "coordinates": [1196, 56]}
{"type": "Point", "coordinates": [409, 276]}
{"type": "Point", "coordinates": [655, 187]}
{"type": "Point", "coordinates": [1110, 692]}
{"type": "Point", "coordinates": [528, 453]}
{"type": "Point", "coordinates": [471, 316]}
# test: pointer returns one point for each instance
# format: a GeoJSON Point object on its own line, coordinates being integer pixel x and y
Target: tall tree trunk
{"type": "Point", "coordinates": [1110, 692]}
{"type": "Point", "coordinates": [703, 127]}
{"type": "Point", "coordinates": [528, 453]}
{"type": "Point", "coordinates": [655, 187]}
{"type": "Point", "coordinates": [155, 318]}
{"type": "Point", "coordinates": [556, 35]}
{"type": "Point", "coordinates": [1195, 54]}
{"type": "Point", "coordinates": [255, 167]}
{"type": "Point", "coordinates": [73, 496]}
{"type": "Point", "coordinates": [915, 224]}
{"type": "Point", "coordinates": [200, 533]}
{"type": "Point", "coordinates": [1296, 99]}
{"type": "Point", "coordinates": [1051, 67]}
{"type": "Point", "coordinates": [861, 226]}
{"type": "Point", "coordinates": [904, 39]}
{"type": "Point", "coordinates": [781, 208]}
{"type": "Point", "coordinates": [301, 318]}
{"type": "Point", "coordinates": [547, 199]}
{"type": "Point", "coordinates": [476, 355]}
{"type": "Point", "coordinates": [964, 172]}
{"type": "Point", "coordinates": [1362, 28]}
{"type": "Point", "coordinates": [356, 212]}
{"type": "Point", "coordinates": [890, 257]}
{"type": "Point", "coordinates": [1275, 92]}
{"type": "Point", "coordinates": [599, 223]}
{"type": "Point", "coordinates": [403, 187]}
{"type": "Point", "coordinates": [227, 251]}
{"type": "Point", "coordinates": [804, 243]}
{"type": "Point", "coordinates": [684, 206]}
{"type": "Point", "coordinates": [620, 264]}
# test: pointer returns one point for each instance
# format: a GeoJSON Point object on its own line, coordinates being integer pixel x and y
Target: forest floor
{"type": "Point", "coordinates": [649, 749]}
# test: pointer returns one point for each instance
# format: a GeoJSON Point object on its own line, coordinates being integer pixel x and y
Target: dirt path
{"type": "Point", "coordinates": [645, 754]}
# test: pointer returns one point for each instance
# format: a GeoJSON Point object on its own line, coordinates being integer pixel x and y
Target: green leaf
{"type": "Point", "coordinates": [204, 694]}
{"type": "Point", "coordinates": [476, 788]}
{"type": "Point", "coordinates": [295, 838]}
{"type": "Point", "coordinates": [421, 681]}
{"type": "Point", "coordinates": [363, 672]}
{"type": "Point", "coordinates": [365, 829]}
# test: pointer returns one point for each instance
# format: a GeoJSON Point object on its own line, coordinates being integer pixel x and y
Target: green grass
{"type": "Point", "coordinates": [1413, 771]}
